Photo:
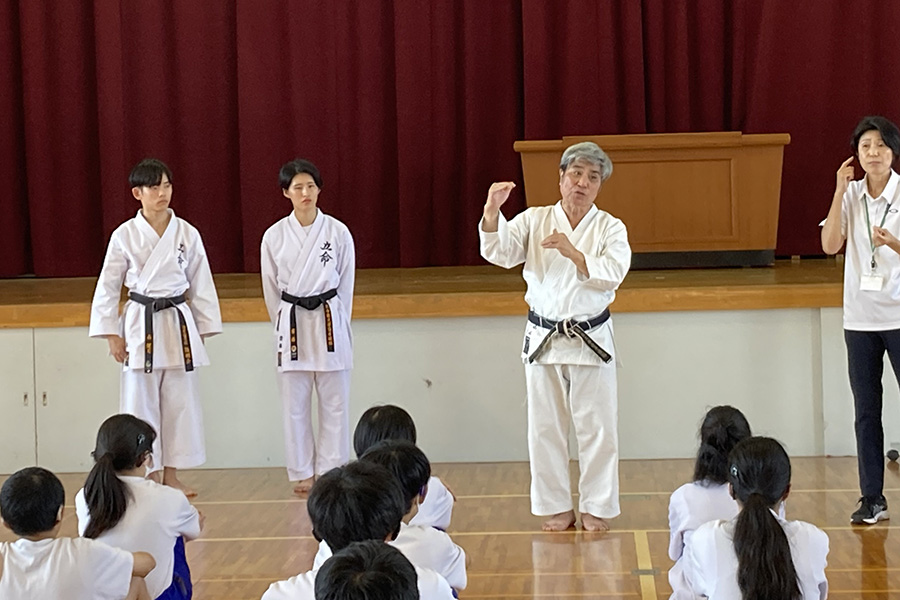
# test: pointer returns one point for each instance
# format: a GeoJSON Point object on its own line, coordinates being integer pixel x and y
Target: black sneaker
{"type": "Point", "coordinates": [870, 511]}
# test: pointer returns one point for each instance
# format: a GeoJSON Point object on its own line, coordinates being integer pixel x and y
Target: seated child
{"type": "Point", "coordinates": [355, 503]}
{"type": "Point", "coordinates": [121, 508]}
{"type": "Point", "coordinates": [707, 497]}
{"type": "Point", "coordinates": [41, 566]}
{"type": "Point", "coordinates": [758, 554]}
{"type": "Point", "coordinates": [424, 546]}
{"type": "Point", "coordinates": [391, 422]}
{"type": "Point", "coordinates": [369, 570]}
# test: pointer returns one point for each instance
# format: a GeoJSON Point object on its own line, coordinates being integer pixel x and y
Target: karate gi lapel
{"type": "Point", "coordinates": [163, 250]}
{"type": "Point", "coordinates": [557, 264]}
{"type": "Point", "coordinates": [303, 278]}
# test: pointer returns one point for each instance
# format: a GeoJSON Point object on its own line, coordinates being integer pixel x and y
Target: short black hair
{"type": "Point", "coordinates": [30, 501]}
{"type": "Point", "coordinates": [294, 168]}
{"type": "Point", "coordinates": [378, 423]}
{"type": "Point", "coordinates": [369, 570]}
{"type": "Point", "coordinates": [354, 503]}
{"type": "Point", "coordinates": [889, 133]}
{"type": "Point", "coordinates": [148, 173]}
{"type": "Point", "coordinates": [408, 464]}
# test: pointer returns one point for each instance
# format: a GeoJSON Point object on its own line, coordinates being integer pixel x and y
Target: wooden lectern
{"type": "Point", "coordinates": [687, 199]}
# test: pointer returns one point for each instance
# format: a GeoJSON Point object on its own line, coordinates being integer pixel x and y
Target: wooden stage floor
{"type": "Point", "coordinates": [465, 291]}
{"type": "Point", "coordinates": [256, 533]}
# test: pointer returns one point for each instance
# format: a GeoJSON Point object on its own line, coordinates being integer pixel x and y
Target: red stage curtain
{"type": "Point", "coordinates": [15, 241]}
{"type": "Point", "coordinates": [409, 107]}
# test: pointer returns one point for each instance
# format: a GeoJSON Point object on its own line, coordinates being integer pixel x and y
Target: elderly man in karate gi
{"type": "Point", "coordinates": [575, 257]}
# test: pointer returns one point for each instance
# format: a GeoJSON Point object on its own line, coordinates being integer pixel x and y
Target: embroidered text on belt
{"type": "Point", "coordinates": [311, 303]}
{"type": "Point", "coordinates": [570, 328]}
{"type": "Point", "coordinates": [154, 305]}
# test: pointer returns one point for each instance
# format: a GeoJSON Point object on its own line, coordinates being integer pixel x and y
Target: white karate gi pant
{"type": "Point", "coordinates": [585, 395]}
{"type": "Point", "coordinates": [307, 455]}
{"type": "Point", "coordinates": [169, 400]}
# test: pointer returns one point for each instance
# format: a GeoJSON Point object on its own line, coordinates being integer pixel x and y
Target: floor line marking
{"type": "Point", "coordinates": [645, 563]}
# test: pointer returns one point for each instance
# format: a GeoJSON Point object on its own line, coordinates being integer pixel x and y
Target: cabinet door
{"type": "Point", "coordinates": [239, 392]}
{"type": "Point", "coordinates": [17, 442]}
{"type": "Point", "coordinates": [77, 386]}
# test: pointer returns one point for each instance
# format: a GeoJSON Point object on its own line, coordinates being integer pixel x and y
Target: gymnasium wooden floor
{"type": "Point", "coordinates": [256, 533]}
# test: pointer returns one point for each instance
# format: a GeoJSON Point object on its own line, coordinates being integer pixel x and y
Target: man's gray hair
{"type": "Point", "coordinates": [589, 152]}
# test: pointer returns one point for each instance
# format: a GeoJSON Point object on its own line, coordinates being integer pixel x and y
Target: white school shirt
{"type": "Point", "coordinates": [307, 262]}
{"type": "Point", "coordinates": [303, 587]}
{"type": "Point", "coordinates": [870, 311]}
{"type": "Point", "coordinates": [156, 516]}
{"type": "Point", "coordinates": [437, 508]}
{"type": "Point", "coordinates": [690, 506]}
{"type": "Point", "coordinates": [64, 568]}
{"type": "Point", "coordinates": [424, 547]}
{"type": "Point", "coordinates": [556, 290]}
{"type": "Point", "coordinates": [712, 562]}
{"type": "Point", "coordinates": [159, 267]}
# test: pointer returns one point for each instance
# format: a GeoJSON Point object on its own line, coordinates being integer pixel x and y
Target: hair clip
{"type": "Point", "coordinates": [734, 471]}
{"type": "Point", "coordinates": [141, 439]}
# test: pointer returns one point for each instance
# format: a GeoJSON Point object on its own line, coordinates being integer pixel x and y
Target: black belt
{"type": "Point", "coordinates": [154, 305]}
{"type": "Point", "coordinates": [570, 328]}
{"type": "Point", "coordinates": [311, 303]}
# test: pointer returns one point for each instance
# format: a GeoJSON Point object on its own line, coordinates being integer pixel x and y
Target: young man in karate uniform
{"type": "Point", "coordinates": [575, 257]}
{"type": "Point", "coordinates": [308, 266]}
{"type": "Point", "coordinates": [172, 307]}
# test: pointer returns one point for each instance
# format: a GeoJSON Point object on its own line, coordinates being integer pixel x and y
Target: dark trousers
{"type": "Point", "coordinates": [865, 360]}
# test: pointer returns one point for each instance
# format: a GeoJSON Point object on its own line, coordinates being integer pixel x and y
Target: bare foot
{"type": "Point", "coordinates": [301, 488]}
{"type": "Point", "coordinates": [560, 521]}
{"type": "Point", "coordinates": [171, 479]}
{"type": "Point", "coordinates": [591, 523]}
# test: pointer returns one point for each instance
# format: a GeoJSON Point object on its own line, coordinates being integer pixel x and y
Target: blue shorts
{"type": "Point", "coordinates": [181, 588]}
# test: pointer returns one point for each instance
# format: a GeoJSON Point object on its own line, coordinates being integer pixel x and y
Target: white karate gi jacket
{"type": "Point", "coordinates": [308, 261]}
{"type": "Point", "coordinates": [159, 267]}
{"type": "Point", "coordinates": [556, 290]}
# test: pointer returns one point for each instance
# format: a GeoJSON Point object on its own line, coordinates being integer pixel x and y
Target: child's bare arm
{"type": "Point", "coordinates": [143, 564]}
{"type": "Point", "coordinates": [138, 590]}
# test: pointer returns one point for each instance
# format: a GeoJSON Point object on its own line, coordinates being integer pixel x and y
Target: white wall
{"type": "Point", "coordinates": [462, 380]}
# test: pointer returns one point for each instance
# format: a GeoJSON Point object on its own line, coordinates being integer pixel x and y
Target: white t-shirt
{"type": "Point", "coordinates": [690, 506]}
{"type": "Point", "coordinates": [156, 516]}
{"type": "Point", "coordinates": [303, 587]}
{"type": "Point", "coordinates": [425, 547]}
{"type": "Point", "coordinates": [437, 509]}
{"type": "Point", "coordinates": [870, 310]}
{"type": "Point", "coordinates": [64, 568]}
{"type": "Point", "coordinates": [712, 563]}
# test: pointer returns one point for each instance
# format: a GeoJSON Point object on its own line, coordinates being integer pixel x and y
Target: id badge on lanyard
{"type": "Point", "coordinates": [873, 281]}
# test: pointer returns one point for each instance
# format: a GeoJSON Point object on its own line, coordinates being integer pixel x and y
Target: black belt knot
{"type": "Point", "coordinates": [155, 305]}
{"type": "Point", "coordinates": [311, 303]}
{"type": "Point", "coordinates": [570, 328]}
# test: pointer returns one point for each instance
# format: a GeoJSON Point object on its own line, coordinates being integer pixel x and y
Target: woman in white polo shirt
{"type": "Point", "coordinates": [864, 213]}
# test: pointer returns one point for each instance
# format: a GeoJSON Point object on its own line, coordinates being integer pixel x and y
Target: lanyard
{"type": "Point", "coordinates": [869, 225]}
